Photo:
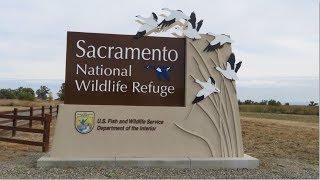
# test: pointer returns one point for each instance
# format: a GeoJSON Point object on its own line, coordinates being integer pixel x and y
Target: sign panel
{"type": "Point", "coordinates": [107, 69]}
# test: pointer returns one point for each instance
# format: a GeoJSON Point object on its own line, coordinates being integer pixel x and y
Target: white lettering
{"type": "Point", "coordinates": [81, 48]}
{"type": "Point", "coordinates": [145, 53]}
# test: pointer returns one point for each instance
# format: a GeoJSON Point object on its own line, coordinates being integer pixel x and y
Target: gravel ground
{"type": "Point", "coordinates": [25, 167]}
{"type": "Point", "coordinates": [285, 151]}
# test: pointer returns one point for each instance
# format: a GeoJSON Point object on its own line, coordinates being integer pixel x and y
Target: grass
{"type": "Point", "coordinates": [15, 103]}
{"type": "Point", "coordinates": [289, 117]}
{"type": "Point", "coordinates": [10, 108]}
{"type": "Point", "coordinates": [267, 139]}
{"type": "Point", "coordinates": [13, 150]}
{"type": "Point", "coordinates": [299, 110]}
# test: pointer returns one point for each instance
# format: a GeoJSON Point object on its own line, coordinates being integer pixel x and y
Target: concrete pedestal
{"type": "Point", "coordinates": [182, 162]}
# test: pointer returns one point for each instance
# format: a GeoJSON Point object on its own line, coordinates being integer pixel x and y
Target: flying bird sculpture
{"type": "Point", "coordinates": [232, 68]}
{"type": "Point", "coordinates": [161, 71]}
{"type": "Point", "coordinates": [218, 41]}
{"type": "Point", "coordinates": [148, 25]}
{"type": "Point", "coordinates": [175, 15]}
{"type": "Point", "coordinates": [208, 88]}
{"type": "Point", "coordinates": [193, 28]}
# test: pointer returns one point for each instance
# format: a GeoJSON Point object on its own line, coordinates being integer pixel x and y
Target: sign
{"type": "Point", "coordinates": [107, 69]}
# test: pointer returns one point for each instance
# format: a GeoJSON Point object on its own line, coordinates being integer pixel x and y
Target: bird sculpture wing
{"type": "Point", "coordinates": [198, 99]}
{"type": "Point", "coordinates": [203, 92]}
{"type": "Point", "coordinates": [145, 27]}
{"type": "Point", "coordinates": [225, 39]}
{"type": "Point", "coordinates": [215, 41]}
{"type": "Point", "coordinates": [211, 80]}
{"type": "Point", "coordinates": [166, 23]}
{"type": "Point", "coordinates": [232, 61]}
{"type": "Point", "coordinates": [155, 17]}
{"type": "Point", "coordinates": [199, 24]}
{"type": "Point", "coordinates": [143, 30]}
{"type": "Point", "coordinates": [193, 20]}
{"type": "Point", "coordinates": [238, 65]}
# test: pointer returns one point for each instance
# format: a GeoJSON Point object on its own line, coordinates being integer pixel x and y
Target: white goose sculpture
{"type": "Point", "coordinates": [193, 28]}
{"type": "Point", "coordinates": [218, 41]}
{"type": "Point", "coordinates": [149, 24]}
{"type": "Point", "coordinates": [232, 68]}
{"type": "Point", "coordinates": [208, 88]}
{"type": "Point", "coordinates": [175, 15]}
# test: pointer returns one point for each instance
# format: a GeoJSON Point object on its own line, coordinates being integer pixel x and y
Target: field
{"type": "Point", "coordinates": [10, 104]}
{"type": "Point", "coordinates": [300, 110]}
{"type": "Point", "coordinates": [289, 137]}
{"type": "Point", "coordinates": [287, 146]}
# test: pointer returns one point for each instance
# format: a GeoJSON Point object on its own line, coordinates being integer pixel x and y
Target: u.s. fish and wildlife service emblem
{"type": "Point", "coordinates": [84, 121]}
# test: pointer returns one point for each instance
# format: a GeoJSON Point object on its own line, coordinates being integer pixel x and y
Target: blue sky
{"type": "Point", "coordinates": [278, 41]}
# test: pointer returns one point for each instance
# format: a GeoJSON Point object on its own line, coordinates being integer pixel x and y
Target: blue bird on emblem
{"type": "Point", "coordinates": [161, 71]}
{"type": "Point", "coordinates": [83, 121]}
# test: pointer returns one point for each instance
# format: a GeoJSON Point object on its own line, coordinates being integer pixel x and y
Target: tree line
{"type": "Point", "coordinates": [25, 93]}
{"type": "Point", "coordinates": [44, 93]}
{"type": "Point", "coordinates": [270, 102]}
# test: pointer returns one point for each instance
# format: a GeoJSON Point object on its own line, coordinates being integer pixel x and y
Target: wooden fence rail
{"type": "Point", "coordinates": [45, 119]}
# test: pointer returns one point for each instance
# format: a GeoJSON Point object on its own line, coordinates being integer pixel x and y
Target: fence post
{"type": "Point", "coordinates": [31, 114]}
{"type": "Point", "coordinates": [42, 113]}
{"type": "Point", "coordinates": [57, 109]}
{"type": "Point", "coordinates": [51, 110]}
{"type": "Point", "coordinates": [14, 121]}
{"type": "Point", "coordinates": [46, 135]}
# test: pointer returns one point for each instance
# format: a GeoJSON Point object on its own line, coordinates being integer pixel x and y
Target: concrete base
{"type": "Point", "coordinates": [184, 162]}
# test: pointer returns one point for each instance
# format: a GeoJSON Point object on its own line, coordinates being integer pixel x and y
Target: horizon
{"type": "Point", "coordinates": [279, 48]}
{"type": "Point", "coordinates": [242, 86]}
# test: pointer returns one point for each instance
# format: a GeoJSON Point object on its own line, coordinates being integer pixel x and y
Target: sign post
{"type": "Point", "coordinates": [150, 101]}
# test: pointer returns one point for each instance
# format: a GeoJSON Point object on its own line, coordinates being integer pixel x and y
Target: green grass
{"type": "Point", "coordinates": [299, 110]}
{"type": "Point", "coordinates": [289, 117]}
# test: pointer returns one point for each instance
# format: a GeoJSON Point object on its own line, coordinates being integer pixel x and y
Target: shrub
{"type": "Point", "coordinates": [7, 94]}
{"type": "Point", "coordinates": [26, 96]}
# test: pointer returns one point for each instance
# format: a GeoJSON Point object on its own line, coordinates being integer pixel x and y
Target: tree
{"type": "Point", "coordinates": [25, 93]}
{"type": "Point", "coordinates": [7, 94]}
{"type": "Point", "coordinates": [248, 102]}
{"type": "Point", "coordinates": [273, 102]}
{"type": "Point", "coordinates": [43, 92]}
{"type": "Point", "coordinates": [287, 104]}
{"type": "Point", "coordinates": [312, 103]}
{"type": "Point", "coordinates": [61, 92]}
{"type": "Point", "coordinates": [264, 102]}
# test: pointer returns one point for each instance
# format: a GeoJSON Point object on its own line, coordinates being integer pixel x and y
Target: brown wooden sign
{"type": "Point", "coordinates": [107, 69]}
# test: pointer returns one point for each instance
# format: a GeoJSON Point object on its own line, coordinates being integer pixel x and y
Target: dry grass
{"type": "Point", "coordinates": [289, 117]}
{"type": "Point", "coordinates": [24, 103]}
{"type": "Point", "coordinates": [11, 150]}
{"type": "Point", "coordinates": [10, 108]}
{"type": "Point", "coordinates": [270, 138]}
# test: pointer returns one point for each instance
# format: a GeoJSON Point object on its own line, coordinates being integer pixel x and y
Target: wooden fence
{"type": "Point", "coordinates": [42, 117]}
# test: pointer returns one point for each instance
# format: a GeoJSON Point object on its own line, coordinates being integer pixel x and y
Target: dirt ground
{"type": "Point", "coordinates": [279, 143]}
{"type": "Point", "coordinates": [281, 139]}
{"type": "Point", "coordinates": [11, 150]}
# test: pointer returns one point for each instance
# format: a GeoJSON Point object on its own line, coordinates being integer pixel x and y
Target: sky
{"type": "Point", "coordinates": [277, 40]}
